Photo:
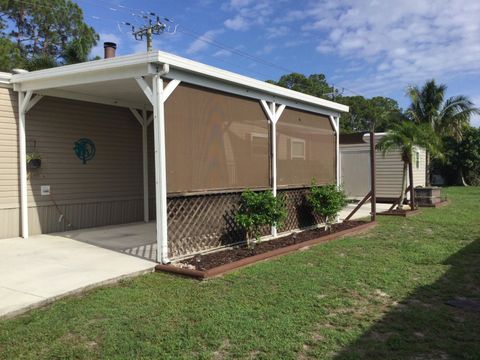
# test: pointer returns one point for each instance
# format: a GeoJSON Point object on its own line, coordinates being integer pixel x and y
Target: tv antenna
{"type": "Point", "coordinates": [334, 93]}
{"type": "Point", "coordinates": [154, 26]}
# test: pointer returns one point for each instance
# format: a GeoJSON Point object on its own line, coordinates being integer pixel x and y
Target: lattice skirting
{"type": "Point", "coordinates": [202, 222]}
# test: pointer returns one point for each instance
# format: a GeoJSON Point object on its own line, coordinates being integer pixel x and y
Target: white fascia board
{"type": "Point", "coordinates": [183, 64]}
{"type": "Point", "coordinates": [5, 79]}
{"type": "Point", "coordinates": [147, 63]}
{"type": "Point", "coordinates": [93, 99]}
{"type": "Point", "coordinates": [84, 73]}
{"type": "Point", "coordinates": [238, 89]}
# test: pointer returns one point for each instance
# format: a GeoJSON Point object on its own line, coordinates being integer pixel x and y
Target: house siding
{"type": "Point", "coordinates": [389, 170]}
{"type": "Point", "coordinates": [107, 190]}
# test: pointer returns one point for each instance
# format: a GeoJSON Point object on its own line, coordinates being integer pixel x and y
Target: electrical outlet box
{"type": "Point", "coordinates": [45, 190]}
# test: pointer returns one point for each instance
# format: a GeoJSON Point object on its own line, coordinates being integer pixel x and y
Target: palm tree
{"type": "Point", "coordinates": [447, 117]}
{"type": "Point", "coordinates": [405, 136]}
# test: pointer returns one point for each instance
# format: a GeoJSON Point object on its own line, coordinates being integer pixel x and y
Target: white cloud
{"type": "Point", "coordinates": [277, 31]}
{"type": "Point", "coordinates": [237, 23]}
{"type": "Point", "coordinates": [406, 41]}
{"type": "Point", "coordinates": [203, 41]}
{"type": "Point", "coordinates": [248, 13]}
{"type": "Point", "coordinates": [222, 53]}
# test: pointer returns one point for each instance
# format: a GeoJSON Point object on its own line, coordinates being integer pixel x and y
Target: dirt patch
{"type": "Point", "coordinates": [209, 261]}
{"type": "Point", "coordinates": [222, 352]}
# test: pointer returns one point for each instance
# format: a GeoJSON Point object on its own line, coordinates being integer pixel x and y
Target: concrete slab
{"type": "Point", "coordinates": [44, 268]}
{"type": "Point", "coordinates": [363, 212]}
{"type": "Point", "coordinates": [137, 239]}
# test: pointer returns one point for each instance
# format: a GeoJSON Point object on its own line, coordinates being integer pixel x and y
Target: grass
{"type": "Point", "coordinates": [377, 296]}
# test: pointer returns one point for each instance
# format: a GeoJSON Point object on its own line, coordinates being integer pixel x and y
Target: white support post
{"type": "Point", "coordinates": [339, 160]}
{"type": "Point", "coordinates": [157, 96]}
{"type": "Point", "coordinates": [143, 121]}
{"type": "Point", "coordinates": [274, 156]}
{"type": "Point", "coordinates": [160, 169]}
{"type": "Point", "coordinates": [273, 114]}
{"type": "Point", "coordinates": [23, 100]}
{"type": "Point", "coordinates": [146, 207]}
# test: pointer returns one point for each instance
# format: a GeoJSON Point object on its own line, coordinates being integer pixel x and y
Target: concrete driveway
{"type": "Point", "coordinates": [44, 268]}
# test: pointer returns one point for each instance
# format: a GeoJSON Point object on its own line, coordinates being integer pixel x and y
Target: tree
{"type": "Point", "coordinates": [375, 114]}
{"type": "Point", "coordinates": [45, 33]}
{"type": "Point", "coordinates": [404, 137]}
{"type": "Point", "coordinates": [10, 57]}
{"type": "Point", "coordinates": [447, 117]}
{"type": "Point", "coordinates": [315, 84]}
{"type": "Point", "coordinates": [462, 158]}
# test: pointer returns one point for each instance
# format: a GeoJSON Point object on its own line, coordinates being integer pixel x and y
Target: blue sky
{"type": "Point", "coordinates": [367, 47]}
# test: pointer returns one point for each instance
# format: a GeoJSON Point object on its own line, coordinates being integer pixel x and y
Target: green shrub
{"type": "Point", "coordinates": [327, 201]}
{"type": "Point", "coordinates": [258, 209]}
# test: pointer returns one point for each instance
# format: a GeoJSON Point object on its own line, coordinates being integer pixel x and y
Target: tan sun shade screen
{"type": "Point", "coordinates": [305, 148]}
{"type": "Point", "coordinates": [215, 141]}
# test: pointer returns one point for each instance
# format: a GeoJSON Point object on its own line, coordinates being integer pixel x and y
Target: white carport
{"type": "Point", "coordinates": [137, 82]}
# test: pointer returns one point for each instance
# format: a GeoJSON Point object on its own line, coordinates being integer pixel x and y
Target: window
{"type": "Point", "coordinates": [297, 149]}
{"type": "Point", "coordinates": [259, 144]}
{"type": "Point", "coordinates": [417, 159]}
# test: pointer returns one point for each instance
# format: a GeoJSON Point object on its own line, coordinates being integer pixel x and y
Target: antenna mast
{"type": "Point", "coordinates": [154, 27]}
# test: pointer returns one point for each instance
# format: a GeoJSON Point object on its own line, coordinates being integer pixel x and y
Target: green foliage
{"type": "Point", "coordinates": [447, 117]}
{"type": "Point", "coordinates": [461, 161]}
{"type": "Point", "coordinates": [377, 114]}
{"type": "Point", "coordinates": [33, 156]}
{"type": "Point", "coordinates": [259, 209]}
{"type": "Point", "coordinates": [315, 84]}
{"type": "Point", "coordinates": [44, 33]}
{"type": "Point", "coordinates": [10, 57]}
{"type": "Point", "coordinates": [405, 136]}
{"type": "Point", "coordinates": [327, 201]}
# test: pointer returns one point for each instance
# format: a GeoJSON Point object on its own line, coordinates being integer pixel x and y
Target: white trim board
{"type": "Point", "coordinates": [131, 66]}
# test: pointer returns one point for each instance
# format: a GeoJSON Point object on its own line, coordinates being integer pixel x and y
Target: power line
{"type": "Point", "coordinates": [137, 14]}
{"type": "Point", "coordinates": [205, 38]}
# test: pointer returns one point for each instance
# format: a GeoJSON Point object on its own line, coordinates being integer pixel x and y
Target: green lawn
{"type": "Point", "coordinates": [376, 296]}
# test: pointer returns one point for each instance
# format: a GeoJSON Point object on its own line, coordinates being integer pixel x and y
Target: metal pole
{"type": "Point", "coordinates": [149, 39]}
{"type": "Point", "coordinates": [22, 102]}
{"type": "Point", "coordinates": [160, 170]}
{"type": "Point", "coordinates": [373, 200]}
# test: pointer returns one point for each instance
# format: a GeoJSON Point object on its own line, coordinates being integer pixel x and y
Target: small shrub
{"type": "Point", "coordinates": [327, 201]}
{"type": "Point", "coordinates": [258, 209]}
{"type": "Point", "coordinates": [33, 156]}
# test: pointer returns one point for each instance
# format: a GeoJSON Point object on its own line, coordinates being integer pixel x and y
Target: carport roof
{"type": "Point", "coordinates": [112, 81]}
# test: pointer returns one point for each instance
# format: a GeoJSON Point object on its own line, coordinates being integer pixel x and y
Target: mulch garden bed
{"type": "Point", "coordinates": [222, 261]}
{"type": "Point", "coordinates": [400, 212]}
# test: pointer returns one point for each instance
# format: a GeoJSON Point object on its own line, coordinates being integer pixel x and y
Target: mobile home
{"type": "Point", "coordinates": [156, 136]}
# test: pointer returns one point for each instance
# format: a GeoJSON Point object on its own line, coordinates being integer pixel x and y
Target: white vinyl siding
{"type": "Point", "coordinates": [389, 170]}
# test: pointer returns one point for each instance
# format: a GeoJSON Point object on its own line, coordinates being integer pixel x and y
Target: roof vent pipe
{"type": "Point", "coordinates": [109, 49]}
